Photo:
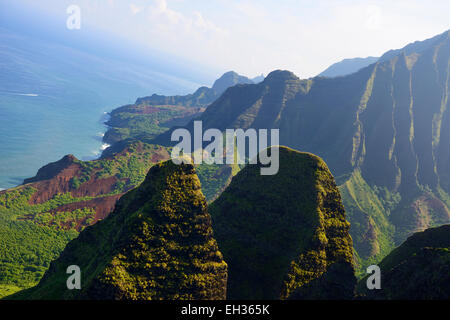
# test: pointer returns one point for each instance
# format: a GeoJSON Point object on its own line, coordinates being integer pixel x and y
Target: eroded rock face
{"type": "Point", "coordinates": [157, 244]}
{"type": "Point", "coordinates": [285, 236]}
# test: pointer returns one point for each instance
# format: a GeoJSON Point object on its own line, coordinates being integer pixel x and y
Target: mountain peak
{"type": "Point", "coordinates": [229, 79]}
{"type": "Point", "coordinates": [347, 66]}
{"type": "Point", "coordinates": [202, 97]}
{"type": "Point", "coordinates": [417, 46]}
{"type": "Point", "coordinates": [52, 169]}
{"type": "Point", "coordinates": [282, 233]}
{"type": "Point", "coordinates": [281, 75]}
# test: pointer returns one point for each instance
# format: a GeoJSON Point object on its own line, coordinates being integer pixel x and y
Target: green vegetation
{"type": "Point", "coordinates": [214, 178]}
{"type": "Point", "coordinates": [15, 202]}
{"type": "Point", "coordinates": [143, 121]}
{"type": "Point", "coordinates": [371, 230]}
{"type": "Point", "coordinates": [384, 127]}
{"type": "Point", "coordinates": [418, 269]}
{"type": "Point", "coordinates": [280, 234]}
{"type": "Point", "coordinates": [26, 249]}
{"type": "Point", "coordinates": [131, 165]}
{"type": "Point", "coordinates": [157, 244]}
{"type": "Point", "coordinates": [6, 290]}
{"type": "Point", "coordinates": [383, 131]}
{"type": "Point", "coordinates": [32, 235]}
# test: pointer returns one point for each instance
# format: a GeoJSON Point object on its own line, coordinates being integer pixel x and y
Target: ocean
{"type": "Point", "coordinates": [54, 101]}
{"type": "Point", "coordinates": [36, 130]}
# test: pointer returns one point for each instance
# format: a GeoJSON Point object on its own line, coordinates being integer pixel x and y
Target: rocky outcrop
{"type": "Point", "coordinates": [157, 244]}
{"type": "Point", "coordinates": [285, 235]}
{"type": "Point", "coordinates": [53, 169]}
{"type": "Point", "coordinates": [55, 178]}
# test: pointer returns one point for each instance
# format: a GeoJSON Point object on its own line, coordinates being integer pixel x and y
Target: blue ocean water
{"type": "Point", "coordinates": [54, 99]}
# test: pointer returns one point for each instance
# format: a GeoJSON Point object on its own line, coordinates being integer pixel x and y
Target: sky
{"type": "Point", "coordinates": [257, 36]}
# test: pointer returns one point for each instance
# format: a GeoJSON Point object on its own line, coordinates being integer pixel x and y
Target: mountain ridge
{"type": "Point", "coordinates": [347, 66]}
{"type": "Point", "coordinates": [202, 96]}
{"type": "Point", "coordinates": [384, 129]}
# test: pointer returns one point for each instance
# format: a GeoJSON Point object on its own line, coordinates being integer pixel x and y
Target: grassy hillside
{"type": "Point", "coordinates": [368, 210]}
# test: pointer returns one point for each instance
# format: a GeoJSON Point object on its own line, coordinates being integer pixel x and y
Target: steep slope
{"type": "Point", "coordinates": [384, 131]}
{"type": "Point", "coordinates": [285, 235]}
{"type": "Point", "coordinates": [157, 244]}
{"type": "Point", "coordinates": [347, 66]}
{"type": "Point", "coordinates": [419, 269]}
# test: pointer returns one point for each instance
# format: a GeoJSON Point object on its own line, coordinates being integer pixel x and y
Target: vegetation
{"type": "Point", "coordinates": [418, 269]}
{"type": "Point", "coordinates": [214, 178]}
{"type": "Point", "coordinates": [280, 233]}
{"type": "Point", "coordinates": [371, 230]}
{"type": "Point", "coordinates": [384, 127]}
{"type": "Point", "coordinates": [27, 248]}
{"type": "Point", "coordinates": [157, 244]}
{"type": "Point", "coordinates": [32, 235]}
{"type": "Point", "coordinates": [140, 121]}
{"type": "Point", "coordinates": [383, 131]}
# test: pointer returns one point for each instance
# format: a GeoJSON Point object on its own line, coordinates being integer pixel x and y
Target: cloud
{"type": "Point", "coordinates": [373, 17]}
{"type": "Point", "coordinates": [135, 9]}
{"type": "Point", "coordinates": [179, 23]}
{"type": "Point", "coordinates": [161, 11]}
{"type": "Point", "coordinates": [173, 30]}
{"type": "Point", "coordinates": [254, 36]}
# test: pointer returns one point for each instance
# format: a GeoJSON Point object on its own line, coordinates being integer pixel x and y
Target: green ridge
{"type": "Point", "coordinates": [280, 234]}
{"type": "Point", "coordinates": [156, 244]}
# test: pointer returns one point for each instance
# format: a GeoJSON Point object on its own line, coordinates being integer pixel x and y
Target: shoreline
{"type": "Point", "coordinates": [97, 153]}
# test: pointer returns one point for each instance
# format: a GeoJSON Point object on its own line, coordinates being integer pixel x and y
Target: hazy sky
{"type": "Point", "coordinates": [253, 37]}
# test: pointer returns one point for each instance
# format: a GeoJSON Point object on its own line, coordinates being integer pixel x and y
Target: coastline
{"type": "Point", "coordinates": [97, 153]}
